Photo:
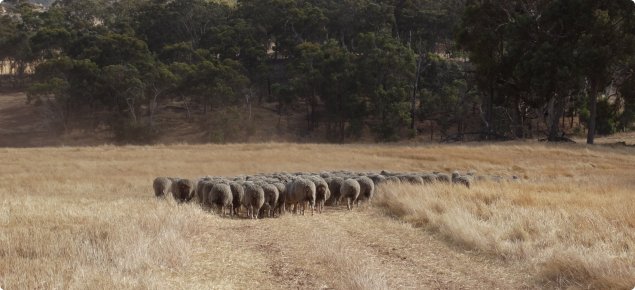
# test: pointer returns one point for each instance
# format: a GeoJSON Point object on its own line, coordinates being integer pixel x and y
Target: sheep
{"type": "Point", "coordinates": [514, 179]}
{"type": "Point", "coordinates": [185, 190]}
{"type": "Point", "coordinates": [335, 184]}
{"type": "Point", "coordinates": [402, 178]}
{"type": "Point", "coordinates": [377, 179]}
{"type": "Point", "coordinates": [300, 192]}
{"type": "Point", "coordinates": [386, 172]}
{"type": "Point", "coordinates": [461, 179]}
{"type": "Point", "coordinates": [350, 190]}
{"type": "Point", "coordinates": [393, 179]}
{"type": "Point", "coordinates": [202, 190]}
{"type": "Point", "coordinates": [254, 199]}
{"type": "Point", "coordinates": [322, 192]}
{"type": "Point", "coordinates": [428, 178]}
{"type": "Point", "coordinates": [173, 185]}
{"type": "Point", "coordinates": [271, 199]}
{"type": "Point", "coordinates": [221, 196]}
{"type": "Point", "coordinates": [162, 186]}
{"type": "Point", "coordinates": [414, 179]}
{"type": "Point", "coordinates": [238, 194]}
{"type": "Point", "coordinates": [366, 189]}
{"type": "Point", "coordinates": [442, 177]}
{"type": "Point", "coordinates": [282, 197]}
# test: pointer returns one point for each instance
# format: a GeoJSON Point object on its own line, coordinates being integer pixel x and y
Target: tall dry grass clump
{"type": "Point", "coordinates": [346, 269]}
{"type": "Point", "coordinates": [571, 235]}
{"type": "Point", "coordinates": [49, 243]}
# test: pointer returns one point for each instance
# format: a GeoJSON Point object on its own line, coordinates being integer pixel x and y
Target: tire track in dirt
{"type": "Point", "coordinates": [282, 254]}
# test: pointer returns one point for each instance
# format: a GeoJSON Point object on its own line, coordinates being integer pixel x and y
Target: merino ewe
{"type": "Point", "coordinates": [175, 181]}
{"type": "Point", "coordinates": [282, 197]}
{"type": "Point", "coordinates": [393, 179]}
{"type": "Point", "coordinates": [271, 199]}
{"type": "Point", "coordinates": [202, 189]}
{"type": "Point", "coordinates": [366, 189]}
{"type": "Point", "coordinates": [350, 191]}
{"type": "Point", "coordinates": [442, 177]}
{"type": "Point", "coordinates": [325, 174]}
{"type": "Point", "coordinates": [322, 192]}
{"type": "Point", "coordinates": [335, 184]}
{"type": "Point", "coordinates": [461, 179]}
{"type": "Point", "coordinates": [162, 186]}
{"type": "Point", "coordinates": [428, 178]}
{"type": "Point", "coordinates": [377, 179]}
{"type": "Point", "coordinates": [254, 199]}
{"type": "Point", "coordinates": [414, 179]}
{"type": "Point", "coordinates": [221, 196]}
{"type": "Point", "coordinates": [238, 194]}
{"type": "Point", "coordinates": [185, 190]}
{"type": "Point", "coordinates": [300, 192]}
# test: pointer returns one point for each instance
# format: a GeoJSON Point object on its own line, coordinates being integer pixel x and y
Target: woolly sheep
{"type": "Point", "coordinates": [161, 186]}
{"type": "Point", "coordinates": [238, 194]}
{"type": "Point", "coordinates": [185, 190]}
{"type": "Point", "coordinates": [254, 199]}
{"type": "Point", "coordinates": [366, 189]}
{"type": "Point", "coordinates": [173, 185]}
{"type": "Point", "coordinates": [350, 191]}
{"type": "Point", "coordinates": [393, 179]}
{"type": "Point", "coordinates": [271, 199]}
{"type": "Point", "coordinates": [202, 190]}
{"type": "Point", "coordinates": [403, 178]}
{"type": "Point", "coordinates": [282, 197]}
{"type": "Point", "coordinates": [322, 192]}
{"type": "Point", "coordinates": [428, 178]}
{"type": "Point", "coordinates": [300, 192]}
{"type": "Point", "coordinates": [221, 196]}
{"type": "Point", "coordinates": [461, 179]}
{"type": "Point", "coordinates": [414, 179]}
{"type": "Point", "coordinates": [377, 179]}
{"type": "Point", "coordinates": [335, 184]}
{"type": "Point", "coordinates": [442, 177]}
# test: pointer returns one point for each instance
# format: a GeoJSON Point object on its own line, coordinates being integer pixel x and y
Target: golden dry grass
{"type": "Point", "coordinates": [85, 217]}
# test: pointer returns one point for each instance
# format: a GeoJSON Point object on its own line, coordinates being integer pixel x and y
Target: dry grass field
{"type": "Point", "coordinates": [86, 218]}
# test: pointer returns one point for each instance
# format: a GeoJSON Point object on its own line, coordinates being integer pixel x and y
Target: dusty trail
{"type": "Point", "coordinates": [281, 253]}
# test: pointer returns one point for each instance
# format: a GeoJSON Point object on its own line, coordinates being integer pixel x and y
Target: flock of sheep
{"type": "Point", "coordinates": [265, 194]}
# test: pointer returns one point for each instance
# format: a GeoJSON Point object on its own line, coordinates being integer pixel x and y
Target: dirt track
{"type": "Point", "coordinates": [284, 254]}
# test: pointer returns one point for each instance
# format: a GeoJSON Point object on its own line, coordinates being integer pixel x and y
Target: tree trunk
{"type": "Point", "coordinates": [594, 102]}
{"type": "Point", "coordinates": [555, 123]}
{"type": "Point", "coordinates": [414, 92]}
{"type": "Point", "coordinates": [308, 114]}
{"type": "Point", "coordinates": [519, 119]}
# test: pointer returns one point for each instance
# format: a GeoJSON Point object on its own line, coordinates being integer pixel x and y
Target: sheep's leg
{"type": "Point", "coordinates": [348, 203]}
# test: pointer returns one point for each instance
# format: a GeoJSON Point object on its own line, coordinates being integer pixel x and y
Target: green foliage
{"type": "Point", "coordinates": [607, 114]}
{"type": "Point", "coordinates": [129, 132]}
{"type": "Point", "coordinates": [228, 126]}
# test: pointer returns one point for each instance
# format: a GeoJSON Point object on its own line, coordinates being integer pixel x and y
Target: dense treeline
{"type": "Point", "coordinates": [355, 65]}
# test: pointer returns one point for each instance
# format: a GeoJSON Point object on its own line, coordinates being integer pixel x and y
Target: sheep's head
{"type": "Point", "coordinates": [455, 174]}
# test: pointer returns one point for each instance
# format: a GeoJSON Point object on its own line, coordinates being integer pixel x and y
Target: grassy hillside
{"type": "Point", "coordinates": [86, 217]}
